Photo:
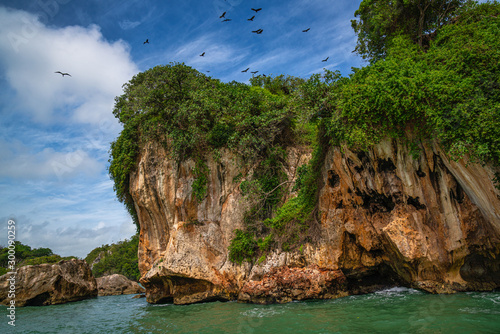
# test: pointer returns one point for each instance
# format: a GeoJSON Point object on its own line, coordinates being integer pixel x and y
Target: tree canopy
{"type": "Point", "coordinates": [379, 21]}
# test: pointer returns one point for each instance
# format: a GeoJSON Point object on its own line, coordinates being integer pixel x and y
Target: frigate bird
{"type": "Point", "coordinates": [306, 30]}
{"type": "Point", "coordinates": [325, 59]}
{"type": "Point", "coordinates": [222, 16]}
{"type": "Point", "coordinates": [256, 10]}
{"type": "Point", "coordinates": [251, 19]}
{"type": "Point", "coordinates": [63, 74]}
{"type": "Point", "coordinates": [254, 72]}
{"type": "Point", "coordinates": [146, 42]}
{"type": "Point", "coordinates": [226, 20]}
{"type": "Point", "coordinates": [246, 70]}
{"type": "Point", "coordinates": [203, 54]}
{"type": "Point", "coordinates": [258, 31]}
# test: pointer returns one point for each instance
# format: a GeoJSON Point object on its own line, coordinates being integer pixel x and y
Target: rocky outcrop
{"type": "Point", "coordinates": [117, 284]}
{"type": "Point", "coordinates": [48, 284]}
{"type": "Point", "coordinates": [284, 284]}
{"type": "Point", "coordinates": [99, 258]}
{"type": "Point", "coordinates": [384, 219]}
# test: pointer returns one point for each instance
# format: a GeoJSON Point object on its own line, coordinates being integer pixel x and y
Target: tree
{"type": "Point", "coordinates": [381, 20]}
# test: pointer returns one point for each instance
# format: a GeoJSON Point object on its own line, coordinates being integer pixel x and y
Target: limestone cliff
{"type": "Point", "coordinates": [386, 219]}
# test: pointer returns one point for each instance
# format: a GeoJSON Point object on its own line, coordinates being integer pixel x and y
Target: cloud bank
{"type": "Point", "coordinates": [31, 52]}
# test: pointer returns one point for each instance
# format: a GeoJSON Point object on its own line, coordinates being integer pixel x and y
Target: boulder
{"type": "Point", "coordinates": [117, 284]}
{"type": "Point", "coordinates": [49, 284]}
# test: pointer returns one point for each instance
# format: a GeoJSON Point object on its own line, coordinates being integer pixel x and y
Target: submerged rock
{"type": "Point", "coordinates": [117, 284]}
{"type": "Point", "coordinates": [384, 219]}
{"type": "Point", "coordinates": [48, 284]}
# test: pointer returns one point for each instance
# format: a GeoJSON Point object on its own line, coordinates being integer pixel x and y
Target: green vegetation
{"type": "Point", "coordinates": [450, 92]}
{"type": "Point", "coordinates": [382, 20]}
{"type": "Point", "coordinates": [434, 75]}
{"type": "Point", "coordinates": [25, 255]}
{"type": "Point", "coordinates": [120, 258]}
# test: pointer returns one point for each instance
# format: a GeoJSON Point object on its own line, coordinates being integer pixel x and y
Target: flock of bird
{"type": "Point", "coordinates": [223, 16]}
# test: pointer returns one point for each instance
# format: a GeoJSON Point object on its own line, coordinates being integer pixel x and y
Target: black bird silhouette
{"type": "Point", "coordinates": [256, 10]}
{"type": "Point", "coordinates": [203, 54]}
{"type": "Point", "coordinates": [251, 19]}
{"type": "Point", "coordinates": [146, 42]}
{"type": "Point", "coordinates": [254, 72]}
{"type": "Point", "coordinates": [306, 30]}
{"type": "Point", "coordinates": [258, 31]}
{"type": "Point", "coordinates": [223, 15]}
{"type": "Point", "coordinates": [246, 70]}
{"type": "Point", "coordinates": [63, 74]}
{"type": "Point", "coordinates": [226, 20]}
{"type": "Point", "coordinates": [325, 59]}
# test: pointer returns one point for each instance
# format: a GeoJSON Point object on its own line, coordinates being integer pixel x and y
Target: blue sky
{"type": "Point", "coordinates": [55, 131]}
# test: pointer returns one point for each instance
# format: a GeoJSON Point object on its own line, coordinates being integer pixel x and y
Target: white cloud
{"type": "Point", "coordinates": [49, 164]}
{"type": "Point", "coordinates": [30, 53]}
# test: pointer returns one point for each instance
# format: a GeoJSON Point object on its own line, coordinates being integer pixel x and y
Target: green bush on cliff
{"type": "Point", "coordinates": [243, 247]}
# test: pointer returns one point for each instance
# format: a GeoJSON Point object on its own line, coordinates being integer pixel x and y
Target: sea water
{"type": "Point", "coordinates": [397, 310]}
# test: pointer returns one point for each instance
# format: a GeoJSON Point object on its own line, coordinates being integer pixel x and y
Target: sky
{"type": "Point", "coordinates": [55, 131]}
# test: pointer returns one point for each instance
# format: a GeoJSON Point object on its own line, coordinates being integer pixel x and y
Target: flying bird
{"type": "Point", "coordinates": [258, 31]}
{"type": "Point", "coordinates": [254, 72]}
{"type": "Point", "coordinates": [306, 30]}
{"type": "Point", "coordinates": [203, 54]}
{"type": "Point", "coordinates": [146, 42]}
{"type": "Point", "coordinates": [256, 10]}
{"type": "Point", "coordinates": [251, 19]}
{"type": "Point", "coordinates": [223, 15]}
{"type": "Point", "coordinates": [325, 59]}
{"type": "Point", "coordinates": [226, 20]}
{"type": "Point", "coordinates": [246, 70]}
{"type": "Point", "coordinates": [63, 74]}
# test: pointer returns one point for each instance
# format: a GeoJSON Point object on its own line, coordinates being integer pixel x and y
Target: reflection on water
{"type": "Point", "coordinates": [397, 310]}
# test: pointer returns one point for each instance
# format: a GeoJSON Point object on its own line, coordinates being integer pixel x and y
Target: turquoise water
{"type": "Point", "coordinates": [397, 310]}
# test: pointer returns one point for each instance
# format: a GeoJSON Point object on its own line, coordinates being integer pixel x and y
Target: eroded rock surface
{"type": "Point", "coordinates": [117, 284]}
{"type": "Point", "coordinates": [385, 219]}
{"type": "Point", "coordinates": [48, 284]}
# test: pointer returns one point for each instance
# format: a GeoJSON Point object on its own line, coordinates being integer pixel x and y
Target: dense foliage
{"type": "Point", "coordinates": [451, 92]}
{"type": "Point", "coordinates": [379, 21]}
{"type": "Point", "coordinates": [120, 258]}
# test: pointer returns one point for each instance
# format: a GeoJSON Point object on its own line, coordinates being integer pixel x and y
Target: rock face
{"type": "Point", "coordinates": [117, 284]}
{"type": "Point", "coordinates": [48, 284]}
{"type": "Point", "coordinates": [386, 219]}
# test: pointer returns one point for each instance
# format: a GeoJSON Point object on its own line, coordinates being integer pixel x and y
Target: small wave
{"type": "Point", "coordinates": [262, 312]}
{"type": "Point", "coordinates": [475, 310]}
{"type": "Point", "coordinates": [398, 291]}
